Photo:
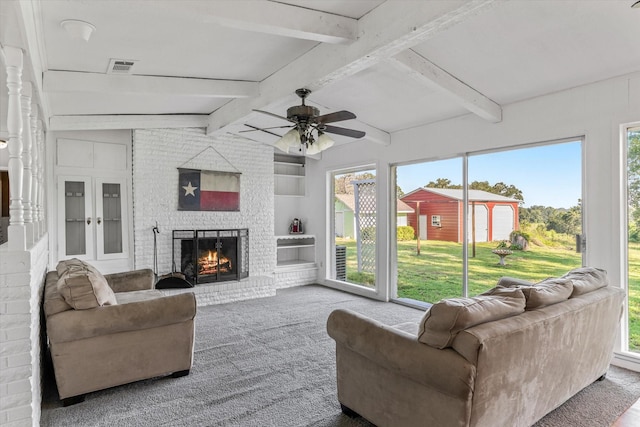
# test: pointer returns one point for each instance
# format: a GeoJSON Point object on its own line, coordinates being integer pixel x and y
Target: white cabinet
{"type": "Point", "coordinates": [92, 222]}
{"type": "Point", "coordinates": [296, 251]}
{"type": "Point", "coordinates": [289, 175]}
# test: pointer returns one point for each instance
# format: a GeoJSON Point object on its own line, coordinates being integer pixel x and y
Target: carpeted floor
{"type": "Point", "coordinates": [270, 362]}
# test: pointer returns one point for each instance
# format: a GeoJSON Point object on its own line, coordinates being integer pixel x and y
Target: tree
{"type": "Point", "coordinates": [343, 183]}
{"type": "Point", "coordinates": [442, 183]}
{"type": "Point", "coordinates": [633, 175]}
{"type": "Point", "coordinates": [499, 188]}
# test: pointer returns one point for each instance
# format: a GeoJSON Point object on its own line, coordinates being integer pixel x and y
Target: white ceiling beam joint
{"type": "Point", "coordinates": [428, 73]}
{"type": "Point", "coordinates": [384, 32]}
{"type": "Point", "coordinates": [71, 81]}
{"type": "Point", "coordinates": [269, 18]}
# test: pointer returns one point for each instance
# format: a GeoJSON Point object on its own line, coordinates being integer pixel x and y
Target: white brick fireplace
{"type": "Point", "coordinates": [157, 155]}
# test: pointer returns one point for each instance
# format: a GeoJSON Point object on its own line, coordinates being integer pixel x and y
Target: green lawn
{"type": "Point", "coordinates": [437, 272]}
{"type": "Point", "coordinates": [634, 296]}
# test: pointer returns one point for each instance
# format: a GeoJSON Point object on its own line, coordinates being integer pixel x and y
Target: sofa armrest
{"type": "Point", "coordinates": [136, 280]}
{"type": "Point", "coordinates": [73, 325]}
{"type": "Point", "coordinates": [402, 353]}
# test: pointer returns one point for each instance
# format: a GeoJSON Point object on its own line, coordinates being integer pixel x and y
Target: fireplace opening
{"type": "Point", "coordinates": [206, 256]}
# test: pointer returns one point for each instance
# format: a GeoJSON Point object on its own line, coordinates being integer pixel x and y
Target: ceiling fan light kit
{"type": "Point", "coordinates": [78, 29]}
{"type": "Point", "coordinates": [309, 127]}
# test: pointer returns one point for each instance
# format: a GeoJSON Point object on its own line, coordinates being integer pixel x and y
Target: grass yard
{"type": "Point", "coordinates": [634, 296]}
{"type": "Point", "coordinates": [437, 272]}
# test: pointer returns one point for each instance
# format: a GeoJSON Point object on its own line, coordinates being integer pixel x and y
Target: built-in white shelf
{"type": "Point", "coordinates": [296, 251]}
{"type": "Point", "coordinates": [289, 175]}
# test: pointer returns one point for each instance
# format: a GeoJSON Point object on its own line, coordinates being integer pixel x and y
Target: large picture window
{"type": "Point", "coordinates": [486, 215]}
{"type": "Point", "coordinates": [632, 327]}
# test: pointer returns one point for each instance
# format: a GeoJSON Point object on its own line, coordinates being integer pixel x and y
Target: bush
{"type": "Point", "coordinates": [368, 233]}
{"type": "Point", "coordinates": [519, 240]}
{"type": "Point", "coordinates": [406, 232]}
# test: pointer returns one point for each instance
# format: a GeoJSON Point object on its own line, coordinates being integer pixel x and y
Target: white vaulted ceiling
{"type": "Point", "coordinates": [395, 64]}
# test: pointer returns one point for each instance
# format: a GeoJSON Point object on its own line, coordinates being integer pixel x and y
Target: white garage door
{"type": "Point", "coordinates": [482, 223]}
{"type": "Point", "coordinates": [502, 223]}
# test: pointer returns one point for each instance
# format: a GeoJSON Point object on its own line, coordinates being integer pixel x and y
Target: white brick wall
{"type": "Point", "coordinates": [157, 155]}
{"type": "Point", "coordinates": [21, 286]}
{"type": "Point", "coordinates": [289, 278]}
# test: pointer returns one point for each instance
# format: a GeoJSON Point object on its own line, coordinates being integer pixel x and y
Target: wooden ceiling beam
{"type": "Point", "coordinates": [424, 71]}
{"type": "Point", "coordinates": [97, 122]}
{"type": "Point", "coordinates": [270, 18]}
{"type": "Point", "coordinates": [71, 81]}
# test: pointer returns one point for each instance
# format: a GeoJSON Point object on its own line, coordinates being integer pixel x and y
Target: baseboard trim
{"type": "Point", "coordinates": [626, 361]}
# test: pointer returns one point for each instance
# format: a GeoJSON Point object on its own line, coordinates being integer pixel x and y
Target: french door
{"type": "Point", "coordinates": [92, 219]}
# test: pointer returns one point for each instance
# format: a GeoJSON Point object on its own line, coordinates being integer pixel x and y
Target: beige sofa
{"type": "Point", "coordinates": [505, 358]}
{"type": "Point", "coordinates": [105, 331]}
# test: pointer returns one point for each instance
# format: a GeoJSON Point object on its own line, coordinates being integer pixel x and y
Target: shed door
{"type": "Point", "coordinates": [482, 223]}
{"type": "Point", "coordinates": [423, 227]}
{"type": "Point", "coordinates": [502, 222]}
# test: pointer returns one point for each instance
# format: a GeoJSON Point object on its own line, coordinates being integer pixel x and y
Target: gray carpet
{"type": "Point", "coordinates": [270, 362]}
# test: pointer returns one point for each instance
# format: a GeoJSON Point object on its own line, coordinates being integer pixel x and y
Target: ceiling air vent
{"type": "Point", "coordinates": [120, 66]}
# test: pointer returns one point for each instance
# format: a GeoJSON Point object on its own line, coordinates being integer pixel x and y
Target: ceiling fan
{"type": "Point", "coordinates": [309, 128]}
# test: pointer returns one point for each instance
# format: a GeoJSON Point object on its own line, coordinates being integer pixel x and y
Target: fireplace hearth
{"type": "Point", "coordinates": [206, 256]}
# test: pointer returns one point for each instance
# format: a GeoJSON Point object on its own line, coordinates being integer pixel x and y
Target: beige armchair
{"type": "Point", "coordinates": [105, 331]}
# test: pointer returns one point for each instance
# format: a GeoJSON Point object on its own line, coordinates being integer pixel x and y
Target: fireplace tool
{"type": "Point", "coordinates": [170, 280]}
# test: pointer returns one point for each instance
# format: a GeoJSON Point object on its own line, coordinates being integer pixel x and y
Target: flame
{"type": "Point", "coordinates": [210, 264]}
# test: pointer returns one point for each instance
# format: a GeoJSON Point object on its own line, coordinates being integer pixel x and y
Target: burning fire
{"type": "Point", "coordinates": [210, 264]}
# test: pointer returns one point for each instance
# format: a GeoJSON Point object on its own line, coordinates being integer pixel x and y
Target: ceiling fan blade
{"type": "Point", "coordinates": [254, 128]}
{"type": "Point", "coordinates": [343, 131]}
{"type": "Point", "coordinates": [338, 116]}
{"type": "Point", "coordinates": [274, 115]}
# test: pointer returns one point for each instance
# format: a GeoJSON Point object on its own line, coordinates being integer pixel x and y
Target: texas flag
{"type": "Point", "coordinates": [200, 190]}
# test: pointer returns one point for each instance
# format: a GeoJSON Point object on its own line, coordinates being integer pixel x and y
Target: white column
{"type": "Point", "coordinates": [27, 160]}
{"type": "Point", "coordinates": [33, 131]}
{"type": "Point", "coordinates": [13, 64]}
{"type": "Point", "coordinates": [42, 212]}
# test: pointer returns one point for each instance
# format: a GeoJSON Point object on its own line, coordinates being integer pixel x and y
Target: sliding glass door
{"type": "Point", "coordinates": [476, 218]}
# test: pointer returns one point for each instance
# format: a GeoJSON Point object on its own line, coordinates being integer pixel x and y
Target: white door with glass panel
{"type": "Point", "coordinates": [93, 221]}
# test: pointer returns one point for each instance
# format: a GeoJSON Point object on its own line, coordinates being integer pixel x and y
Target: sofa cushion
{"type": "Point", "coordinates": [84, 287]}
{"type": "Point", "coordinates": [136, 296]}
{"type": "Point", "coordinates": [442, 322]}
{"type": "Point", "coordinates": [547, 292]}
{"type": "Point", "coordinates": [586, 279]}
{"type": "Point", "coordinates": [510, 282]}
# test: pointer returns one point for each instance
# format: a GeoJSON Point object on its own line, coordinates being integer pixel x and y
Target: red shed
{"type": "Point", "coordinates": [440, 212]}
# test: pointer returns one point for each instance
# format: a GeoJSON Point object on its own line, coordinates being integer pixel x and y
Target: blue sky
{"type": "Point", "coordinates": [548, 175]}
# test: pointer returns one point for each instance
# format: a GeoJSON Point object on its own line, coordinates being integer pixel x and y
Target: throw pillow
{"type": "Point", "coordinates": [442, 322]}
{"type": "Point", "coordinates": [587, 279]}
{"type": "Point", "coordinates": [69, 265]}
{"type": "Point", "coordinates": [547, 292]}
{"type": "Point", "coordinates": [84, 287]}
